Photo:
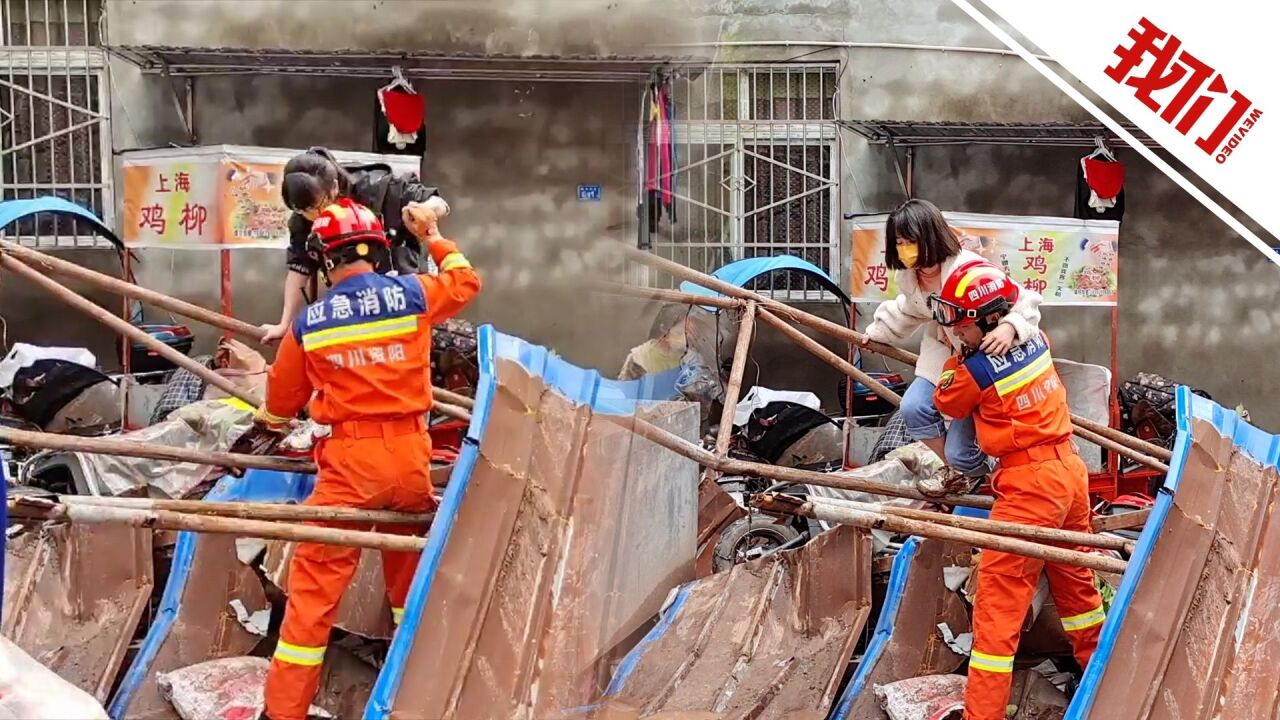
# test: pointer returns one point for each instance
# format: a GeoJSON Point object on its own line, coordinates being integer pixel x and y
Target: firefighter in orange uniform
{"type": "Point", "coordinates": [361, 357]}
{"type": "Point", "coordinates": [1020, 408]}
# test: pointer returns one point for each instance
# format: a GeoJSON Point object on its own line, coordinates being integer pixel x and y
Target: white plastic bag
{"type": "Point", "coordinates": [30, 691]}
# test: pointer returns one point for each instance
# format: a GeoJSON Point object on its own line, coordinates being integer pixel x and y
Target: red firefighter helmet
{"type": "Point", "coordinates": [346, 222]}
{"type": "Point", "coordinates": [971, 292]}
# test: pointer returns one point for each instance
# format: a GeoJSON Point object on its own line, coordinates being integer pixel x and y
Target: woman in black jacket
{"type": "Point", "coordinates": [313, 180]}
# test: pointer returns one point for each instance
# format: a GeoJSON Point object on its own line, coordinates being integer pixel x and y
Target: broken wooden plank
{"type": "Point", "coordinates": [1123, 521]}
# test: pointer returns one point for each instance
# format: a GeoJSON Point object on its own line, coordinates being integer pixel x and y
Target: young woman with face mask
{"type": "Point", "coordinates": [923, 250]}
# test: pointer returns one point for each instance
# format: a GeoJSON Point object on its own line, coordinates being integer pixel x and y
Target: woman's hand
{"type": "Point", "coordinates": [999, 341]}
{"type": "Point", "coordinates": [273, 333]}
{"type": "Point", "coordinates": [422, 221]}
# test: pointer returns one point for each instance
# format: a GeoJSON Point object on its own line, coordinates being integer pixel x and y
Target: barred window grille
{"type": "Point", "coordinates": [757, 171]}
{"type": "Point", "coordinates": [55, 134]}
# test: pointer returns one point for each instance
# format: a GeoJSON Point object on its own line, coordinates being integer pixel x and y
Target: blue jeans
{"type": "Point", "coordinates": [924, 422]}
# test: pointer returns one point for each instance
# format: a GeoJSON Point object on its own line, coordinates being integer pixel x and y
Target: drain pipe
{"type": "Point", "coordinates": [850, 45]}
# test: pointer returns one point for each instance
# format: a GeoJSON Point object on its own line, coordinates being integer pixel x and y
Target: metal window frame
{"type": "Point", "coordinates": [84, 61]}
{"type": "Point", "coordinates": [742, 136]}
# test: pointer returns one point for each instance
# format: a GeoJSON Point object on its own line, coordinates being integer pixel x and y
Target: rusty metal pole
{"type": "Point", "coordinates": [729, 466]}
{"type": "Point", "coordinates": [52, 264]}
{"type": "Point", "coordinates": [835, 361]}
{"type": "Point", "coordinates": [65, 294]}
{"type": "Point", "coordinates": [168, 520]}
{"type": "Point", "coordinates": [741, 350]}
{"type": "Point", "coordinates": [277, 512]}
{"type": "Point", "coordinates": [880, 521]}
{"type": "Point", "coordinates": [130, 448]}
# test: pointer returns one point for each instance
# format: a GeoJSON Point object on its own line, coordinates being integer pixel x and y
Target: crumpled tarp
{"type": "Point", "coordinates": [207, 425]}
{"type": "Point", "coordinates": [226, 689]}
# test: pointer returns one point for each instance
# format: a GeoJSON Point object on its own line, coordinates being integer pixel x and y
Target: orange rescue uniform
{"type": "Point", "coordinates": [1020, 411]}
{"type": "Point", "coordinates": [362, 358]}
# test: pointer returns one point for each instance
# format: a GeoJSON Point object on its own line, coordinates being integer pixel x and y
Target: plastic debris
{"type": "Point", "coordinates": [227, 689]}
{"type": "Point", "coordinates": [954, 577]}
{"type": "Point", "coordinates": [30, 691]}
{"type": "Point", "coordinates": [931, 697]}
{"type": "Point", "coordinates": [962, 644]}
{"type": "Point", "coordinates": [256, 622]}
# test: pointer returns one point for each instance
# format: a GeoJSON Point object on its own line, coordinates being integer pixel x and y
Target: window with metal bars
{"type": "Point", "coordinates": [756, 171]}
{"type": "Point", "coordinates": [54, 116]}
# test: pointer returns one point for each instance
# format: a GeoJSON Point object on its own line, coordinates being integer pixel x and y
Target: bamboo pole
{"type": "Point", "coordinates": [746, 329]}
{"type": "Point", "coordinates": [35, 258]}
{"type": "Point", "coordinates": [65, 294]}
{"type": "Point", "coordinates": [57, 265]}
{"type": "Point", "coordinates": [169, 520]}
{"type": "Point", "coordinates": [1141, 450]}
{"type": "Point", "coordinates": [662, 295]}
{"type": "Point", "coordinates": [995, 527]}
{"type": "Point", "coordinates": [130, 448]}
{"type": "Point", "coordinates": [822, 353]}
{"type": "Point", "coordinates": [906, 526]}
{"type": "Point", "coordinates": [279, 512]}
{"type": "Point", "coordinates": [730, 466]}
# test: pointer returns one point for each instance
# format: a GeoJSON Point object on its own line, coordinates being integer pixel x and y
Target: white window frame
{"type": "Point", "coordinates": [89, 62]}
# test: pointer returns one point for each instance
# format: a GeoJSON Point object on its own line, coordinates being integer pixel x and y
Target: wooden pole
{"type": "Point", "coordinates": [168, 520]}
{"type": "Point", "coordinates": [130, 448]}
{"type": "Point", "coordinates": [730, 466]}
{"type": "Point", "coordinates": [995, 527]}
{"type": "Point", "coordinates": [741, 350]}
{"type": "Point", "coordinates": [661, 295]}
{"type": "Point", "coordinates": [1142, 451]}
{"type": "Point", "coordinates": [257, 511]}
{"type": "Point", "coordinates": [832, 359]}
{"type": "Point", "coordinates": [450, 410]}
{"type": "Point", "coordinates": [165, 302]}
{"type": "Point", "coordinates": [53, 264]}
{"type": "Point", "coordinates": [1123, 521]}
{"type": "Point", "coordinates": [53, 287]}
{"type": "Point", "coordinates": [880, 521]}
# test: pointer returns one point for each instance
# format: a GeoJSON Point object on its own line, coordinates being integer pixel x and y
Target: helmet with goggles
{"type": "Point", "coordinates": [971, 293]}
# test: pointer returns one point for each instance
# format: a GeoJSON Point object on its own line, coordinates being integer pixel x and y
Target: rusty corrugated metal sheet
{"type": "Point", "coordinates": [565, 538]}
{"type": "Point", "coordinates": [767, 639]}
{"type": "Point", "coordinates": [1195, 629]}
{"type": "Point", "coordinates": [73, 597]}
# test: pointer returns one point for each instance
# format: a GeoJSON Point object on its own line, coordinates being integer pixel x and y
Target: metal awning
{"type": "Point", "coordinates": [197, 61]}
{"type": "Point", "coordinates": [904, 133]}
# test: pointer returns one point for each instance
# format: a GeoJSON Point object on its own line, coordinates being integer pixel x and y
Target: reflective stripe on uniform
{"type": "Point", "coordinates": [453, 261]}
{"type": "Point", "coordinates": [1025, 376]}
{"type": "Point", "coordinates": [376, 330]}
{"type": "Point", "coordinates": [299, 654]}
{"type": "Point", "coordinates": [270, 417]}
{"type": "Point", "coordinates": [1084, 621]}
{"type": "Point", "coordinates": [397, 614]}
{"type": "Point", "coordinates": [991, 663]}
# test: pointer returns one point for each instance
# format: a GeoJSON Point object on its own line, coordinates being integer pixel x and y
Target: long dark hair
{"type": "Point", "coordinates": [921, 221]}
{"type": "Point", "coordinates": [309, 176]}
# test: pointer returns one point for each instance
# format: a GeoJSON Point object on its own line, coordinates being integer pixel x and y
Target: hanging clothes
{"type": "Point", "coordinates": [1100, 186]}
{"type": "Point", "coordinates": [660, 153]}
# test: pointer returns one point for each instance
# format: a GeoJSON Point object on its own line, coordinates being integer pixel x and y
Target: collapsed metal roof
{"type": "Point", "coordinates": [910, 133]}
{"type": "Point", "coordinates": [421, 64]}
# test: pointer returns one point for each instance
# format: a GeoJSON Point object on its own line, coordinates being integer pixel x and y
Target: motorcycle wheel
{"type": "Point", "coordinates": [747, 538]}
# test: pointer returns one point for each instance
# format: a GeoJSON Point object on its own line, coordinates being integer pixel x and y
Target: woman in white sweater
{"type": "Point", "coordinates": [923, 249]}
